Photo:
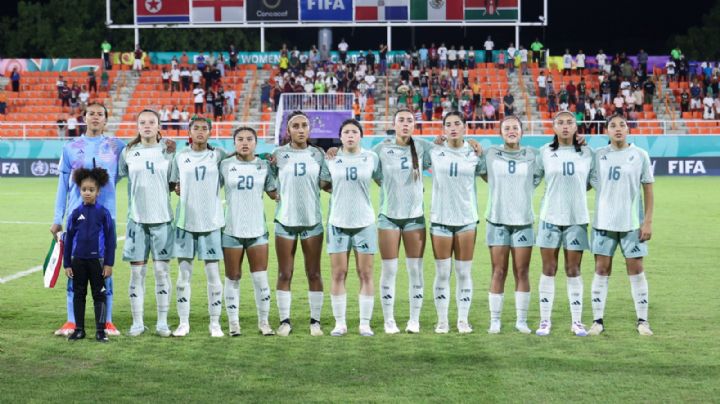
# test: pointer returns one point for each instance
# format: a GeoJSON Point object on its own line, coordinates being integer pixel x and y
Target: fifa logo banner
{"type": "Point", "coordinates": [272, 10]}
{"type": "Point", "coordinates": [326, 10]}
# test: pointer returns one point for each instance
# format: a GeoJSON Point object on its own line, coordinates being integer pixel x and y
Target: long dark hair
{"type": "Point", "coordinates": [350, 121]}
{"type": "Point", "coordinates": [136, 139]}
{"type": "Point", "coordinates": [556, 142]}
{"type": "Point", "coordinates": [197, 118]}
{"type": "Point", "coordinates": [411, 143]}
{"type": "Point", "coordinates": [237, 132]}
{"type": "Point", "coordinates": [286, 136]}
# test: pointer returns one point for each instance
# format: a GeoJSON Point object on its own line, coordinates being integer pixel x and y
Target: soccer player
{"type": "Point", "coordinates": [297, 167]}
{"type": "Point", "coordinates": [147, 163]}
{"type": "Point", "coordinates": [620, 170]}
{"type": "Point", "coordinates": [351, 224]}
{"type": "Point", "coordinates": [88, 151]}
{"type": "Point", "coordinates": [565, 165]}
{"type": "Point", "coordinates": [453, 217]}
{"type": "Point", "coordinates": [512, 175]}
{"type": "Point", "coordinates": [199, 218]}
{"type": "Point", "coordinates": [246, 177]}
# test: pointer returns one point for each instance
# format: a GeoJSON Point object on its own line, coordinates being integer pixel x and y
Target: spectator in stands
{"type": "Point", "coordinates": [165, 117]}
{"type": "Point", "coordinates": [184, 118]}
{"type": "Point", "coordinates": [537, 51]}
{"type": "Point", "coordinates": [218, 104]}
{"type": "Point", "coordinates": [174, 79]}
{"type": "Point", "coordinates": [138, 62]}
{"type": "Point", "coordinates": [683, 69]}
{"type": "Point", "coordinates": [582, 87]}
{"type": "Point", "coordinates": [630, 101]}
{"type": "Point", "coordinates": [567, 63]}
{"type": "Point", "coordinates": [639, 96]}
{"type": "Point", "coordinates": [356, 109]}
{"type": "Point", "coordinates": [509, 103]}
{"type": "Point", "coordinates": [580, 62]}
{"type": "Point", "coordinates": [370, 59]}
{"type": "Point", "coordinates": [552, 101]}
{"type": "Point", "coordinates": [82, 127]}
{"type": "Point", "coordinates": [489, 46]}
{"type": "Point", "coordinates": [185, 78]}
{"type": "Point", "coordinates": [542, 85]}
{"type": "Point", "coordinates": [74, 98]}
{"type": "Point", "coordinates": [92, 80]}
{"type": "Point", "coordinates": [233, 54]}
{"type": "Point", "coordinates": [452, 57]}
{"type": "Point", "coordinates": [165, 75]}
{"type": "Point", "coordinates": [708, 106]}
{"type": "Point", "coordinates": [696, 101]}
{"type": "Point", "coordinates": [488, 114]}
{"type": "Point", "coordinates": [471, 58]}
{"type": "Point", "coordinates": [84, 97]}
{"type": "Point", "coordinates": [3, 101]}
{"type": "Point", "coordinates": [511, 53]}
{"type": "Point", "coordinates": [619, 104]}
{"type": "Point", "coordinates": [230, 97]}
{"type": "Point", "coordinates": [627, 70]}
{"type": "Point", "coordinates": [104, 81]}
{"type": "Point", "coordinates": [106, 48]}
{"type": "Point", "coordinates": [716, 107]}
{"type": "Point", "coordinates": [61, 127]}
{"type": "Point", "coordinates": [383, 50]}
{"type": "Point", "coordinates": [59, 84]}
{"type": "Point", "coordinates": [65, 94]}
{"type": "Point", "coordinates": [284, 63]}
{"type": "Point", "coordinates": [198, 99]}
{"type": "Point", "coordinates": [209, 101]}
{"type": "Point", "coordinates": [571, 92]}
{"type": "Point", "coordinates": [196, 76]}
{"type": "Point", "coordinates": [342, 49]}
{"type": "Point", "coordinates": [648, 91]}
{"type": "Point", "coordinates": [442, 56]}
{"type": "Point", "coordinates": [462, 57]}
{"type": "Point", "coordinates": [523, 60]}
{"type": "Point", "coordinates": [175, 120]}
{"type": "Point", "coordinates": [601, 60]}
{"type": "Point", "coordinates": [501, 59]}
{"type": "Point", "coordinates": [72, 126]}
{"type": "Point", "coordinates": [15, 79]}
{"type": "Point", "coordinates": [685, 101]}
{"type": "Point", "coordinates": [642, 58]}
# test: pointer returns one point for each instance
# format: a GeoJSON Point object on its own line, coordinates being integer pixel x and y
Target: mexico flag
{"type": "Point", "coordinates": [381, 10]}
{"type": "Point", "coordinates": [436, 10]}
{"type": "Point", "coordinates": [53, 262]}
{"type": "Point", "coordinates": [491, 10]}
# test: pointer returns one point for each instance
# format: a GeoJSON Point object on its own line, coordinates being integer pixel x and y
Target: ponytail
{"type": "Point", "coordinates": [415, 162]}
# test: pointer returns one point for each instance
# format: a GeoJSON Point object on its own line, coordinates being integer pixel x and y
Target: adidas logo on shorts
{"type": "Point", "coordinates": [575, 242]}
{"type": "Point", "coordinates": [522, 238]}
{"type": "Point", "coordinates": [635, 250]}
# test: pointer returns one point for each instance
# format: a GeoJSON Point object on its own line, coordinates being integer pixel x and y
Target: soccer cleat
{"type": "Point", "coordinates": [391, 327]}
{"type": "Point", "coordinates": [523, 327]}
{"type": "Point", "coordinates": [578, 329]}
{"type": "Point", "coordinates": [494, 327]}
{"type": "Point", "coordinates": [76, 334]}
{"type": "Point", "coordinates": [643, 327]}
{"type": "Point", "coordinates": [413, 327]}
{"type": "Point", "coordinates": [101, 336]}
{"type": "Point", "coordinates": [163, 330]}
{"type": "Point", "coordinates": [339, 330]}
{"type": "Point", "coordinates": [544, 329]}
{"type": "Point", "coordinates": [216, 331]}
{"type": "Point", "coordinates": [66, 329]}
{"type": "Point", "coordinates": [265, 329]}
{"type": "Point", "coordinates": [442, 328]}
{"type": "Point", "coordinates": [596, 329]}
{"type": "Point", "coordinates": [464, 328]}
{"type": "Point", "coordinates": [110, 329]}
{"type": "Point", "coordinates": [136, 330]}
{"type": "Point", "coordinates": [366, 331]}
{"type": "Point", "coordinates": [284, 329]}
{"type": "Point", "coordinates": [315, 330]}
{"type": "Point", "coordinates": [182, 330]}
{"type": "Point", "coordinates": [234, 329]}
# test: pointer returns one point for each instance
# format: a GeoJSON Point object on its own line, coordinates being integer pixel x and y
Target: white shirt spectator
{"type": "Point", "coordinates": [670, 66]}
{"type": "Point", "coordinates": [443, 53]}
{"type": "Point", "coordinates": [165, 75]}
{"type": "Point", "coordinates": [601, 59]}
{"type": "Point", "coordinates": [462, 53]}
{"type": "Point", "coordinates": [567, 61]}
{"type": "Point", "coordinates": [708, 112]}
{"type": "Point", "coordinates": [343, 46]}
{"type": "Point", "coordinates": [175, 75]}
{"type": "Point", "coordinates": [625, 88]}
{"type": "Point", "coordinates": [185, 73]}
{"type": "Point", "coordinates": [196, 75]}
{"type": "Point", "coordinates": [523, 55]}
{"type": "Point", "coordinates": [511, 52]}
{"type": "Point", "coordinates": [489, 45]}
{"type": "Point", "coordinates": [84, 96]}
{"type": "Point", "coordinates": [230, 99]}
{"type": "Point", "coordinates": [452, 55]}
{"type": "Point", "coordinates": [175, 115]}
{"type": "Point", "coordinates": [309, 87]}
{"type": "Point", "coordinates": [542, 81]}
{"type": "Point", "coordinates": [309, 74]}
{"type": "Point", "coordinates": [164, 115]}
{"type": "Point", "coordinates": [199, 95]}
{"type": "Point", "coordinates": [370, 80]}
{"type": "Point", "coordinates": [72, 123]}
{"type": "Point", "coordinates": [580, 60]}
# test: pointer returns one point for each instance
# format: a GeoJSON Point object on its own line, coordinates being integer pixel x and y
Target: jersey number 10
{"type": "Point", "coordinates": [568, 168]}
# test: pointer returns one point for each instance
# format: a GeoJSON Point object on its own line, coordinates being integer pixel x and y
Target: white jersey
{"type": "Point", "coordinates": [566, 173]}
{"type": "Point", "coordinates": [148, 172]}
{"type": "Point", "coordinates": [616, 177]}
{"type": "Point", "coordinates": [351, 175]}
{"type": "Point", "coordinates": [245, 182]}
{"type": "Point", "coordinates": [298, 174]}
{"type": "Point", "coordinates": [401, 194]}
{"type": "Point", "coordinates": [512, 176]}
{"type": "Point", "coordinates": [454, 190]}
{"type": "Point", "coordinates": [200, 208]}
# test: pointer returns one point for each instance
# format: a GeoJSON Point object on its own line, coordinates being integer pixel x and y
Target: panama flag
{"type": "Point", "coordinates": [216, 11]}
{"type": "Point", "coordinates": [162, 11]}
{"type": "Point", "coordinates": [381, 10]}
{"type": "Point", "coordinates": [436, 10]}
{"type": "Point", "coordinates": [491, 10]}
{"type": "Point", "coordinates": [53, 262]}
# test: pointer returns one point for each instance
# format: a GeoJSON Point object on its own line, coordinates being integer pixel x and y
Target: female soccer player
{"type": "Point", "coordinates": [246, 177]}
{"type": "Point", "coordinates": [199, 219]}
{"type": "Point", "coordinates": [512, 175]}
{"type": "Point", "coordinates": [620, 170]}
{"type": "Point", "coordinates": [565, 164]}
{"type": "Point", "coordinates": [297, 167]}
{"type": "Point", "coordinates": [146, 162]}
{"type": "Point", "coordinates": [351, 224]}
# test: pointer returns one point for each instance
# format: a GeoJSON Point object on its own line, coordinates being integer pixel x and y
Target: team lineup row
{"type": "Point", "coordinates": [296, 173]}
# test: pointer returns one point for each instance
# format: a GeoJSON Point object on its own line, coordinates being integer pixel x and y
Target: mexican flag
{"type": "Point", "coordinates": [436, 10]}
{"type": "Point", "coordinates": [504, 10]}
{"type": "Point", "coordinates": [53, 262]}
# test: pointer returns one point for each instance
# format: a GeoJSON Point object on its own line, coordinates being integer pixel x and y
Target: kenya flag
{"type": "Point", "coordinates": [491, 10]}
{"type": "Point", "coordinates": [436, 10]}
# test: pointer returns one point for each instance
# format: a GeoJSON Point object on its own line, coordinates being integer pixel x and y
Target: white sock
{"type": "Point", "coordinates": [162, 290]}
{"type": "Point", "coordinates": [366, 308]}
{"type": "Point", "coordinates": [283, 302]}
{"type": "Point", "coordinates": [522, 302]}
{"type": "Point", "coordinates": [261, 287]}
{"type": "Point", "coordinates": [546, 292]}
{"type": "Point", "coordinates": [232, 300]}
{"type": "Point", "coordinates": [214, 291]}
{"type": "Point", "coordinates": [339, 307]}
{"type": "Point", "coordinates": [137, 293]}
{"type": "Point", "coordinates": [599, 291]}
{"type": "Point", "coordinates": [316, 304]}
{"type": "Point", "coordinates": [463, 288]}
{"type": "Point", "coordinates": [441, 289]}
{"type": "Point", "coordinates": [416, 286]}
{"type": "Point", "coordinates": [495, 302]}
{"type": "Point", "coordinates": [575, 297]}
{"type": "Point", "coordinates": [387, 287]}
{"type": "Point", "coordinates": [639, 289]}
{"type": "Point", "coordinates": [183, 290]}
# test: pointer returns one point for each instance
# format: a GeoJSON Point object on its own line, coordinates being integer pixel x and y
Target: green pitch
{"type": "Point", "coordinates": [680, 363]}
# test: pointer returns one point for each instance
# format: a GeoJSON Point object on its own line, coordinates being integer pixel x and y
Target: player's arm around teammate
{"type": "Point", "coordinates": [454, 218]}
{"type": "Point", "coordinates": [512, 175]}
{"type": "Point", "coordinates": [146, 163]}
{"type": "Point", "coordinates": [351, 224]}
{"type": "Point", "coordinates": [297, 167]}
{"type": "Point", "coordinates": [620, 171]}
{"type": "Point", "coordinates": [199, 219]}
{"type": "Point", "coordinates": [565, 165]}
{"type": "Point", "coordinates": [246, 178]}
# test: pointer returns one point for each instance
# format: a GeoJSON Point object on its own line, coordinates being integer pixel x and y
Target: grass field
{"type": "Point", "coordinates": [680, 363]}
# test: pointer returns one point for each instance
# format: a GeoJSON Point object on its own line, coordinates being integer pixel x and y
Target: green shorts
{"type": "Point", "coordinates": [415, 223]}
{"type": "Point", "coordinates": [513, 236]}
{"type": "Point", "coordinates": [572, 238]}
{"type": "Point", "coordinates": [437, 229]}
{"type": "Point", "coordinates": [606, 242]}
{"type": "Point", "coordinates": [142, 239]}
{"type": "Point", "coordinates": [229, 241]}
{"type": "Point", "coordinates": [207, 246]}
{"type": "Point", "coordinates": [293, 232]}
{"type": "Point", "coordinates": [363, 239]}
